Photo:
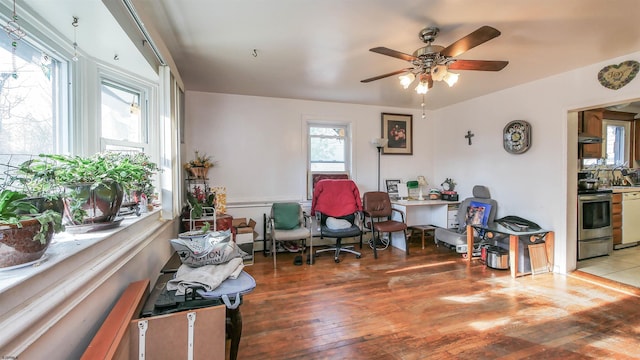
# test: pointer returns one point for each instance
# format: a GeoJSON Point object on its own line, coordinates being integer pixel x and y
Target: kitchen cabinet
{"type": "Point", "coordinates": [590, 122]}
{"type": "Point", "coordinates": [630, 214]}
{"type": "Point", "coordinates": [616, 218]}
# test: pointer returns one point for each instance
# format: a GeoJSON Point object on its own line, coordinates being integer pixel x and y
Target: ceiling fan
{"type": "Point", "coordinates": [433, 62]}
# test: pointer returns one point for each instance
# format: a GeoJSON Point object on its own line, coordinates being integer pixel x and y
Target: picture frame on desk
{"type": "Point", "coordinates": [398, 130]}
{"type": "Point", "coordinates": [392, 188]}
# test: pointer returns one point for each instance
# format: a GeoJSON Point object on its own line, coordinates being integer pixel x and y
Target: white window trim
{"type": "Point", "coordinates": [148, 95]}
{"type": "Point", "coordinates": [309, 120]}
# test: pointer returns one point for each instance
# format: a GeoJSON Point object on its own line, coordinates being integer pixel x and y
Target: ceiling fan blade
{"type": "Point", "coordinates": [470, 41]}
{"type": "Point", "coordinates": [481, 65]}
{"type": "Point", "coordinates": [384, 76]}
{"type": "Point", "coordinates": [393, 53]}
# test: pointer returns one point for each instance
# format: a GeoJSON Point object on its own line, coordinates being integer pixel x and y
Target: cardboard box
{"type": "Point", "coordinates": [169, 336]}
{"type": "Point", "coordinates": [165, 337]}
{"type": "Point", "coordinates": [245, 236]}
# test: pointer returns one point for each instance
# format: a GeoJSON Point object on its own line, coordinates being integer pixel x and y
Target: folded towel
{"type": "Point", "coordinates": [208, 276]}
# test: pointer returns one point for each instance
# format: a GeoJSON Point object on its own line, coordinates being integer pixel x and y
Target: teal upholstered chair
{"type": "Point", "coordinates": [287, 222]}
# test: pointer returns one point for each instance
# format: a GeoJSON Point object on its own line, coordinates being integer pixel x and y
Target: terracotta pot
{"type": "Point", "coordinates": [199, 172]}
{"type": "Point", "coordinates": [100, 204]}
{"type": "Point", "coordinates": [17, 245]}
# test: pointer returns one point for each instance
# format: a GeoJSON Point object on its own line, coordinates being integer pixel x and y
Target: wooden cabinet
{"type": "Point", "coordinates": [590, 122]}
{"type": "Point", "coordinates": [616, 218]}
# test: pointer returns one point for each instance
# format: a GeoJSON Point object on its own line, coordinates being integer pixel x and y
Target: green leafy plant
{"type": "Point", "coordinates": [14, 209]}
{"type": "Point", "coordinates": [195, 206]}
{"type": "Point", "coordinates": [100, 168]}
{"type": "Point", "coordinates": [106, 174]}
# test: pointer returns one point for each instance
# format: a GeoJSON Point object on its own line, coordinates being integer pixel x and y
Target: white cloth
{"type": "Point", "coordinates": [337, 224]}
{"type": "Point", "coordinates": [207, 276]}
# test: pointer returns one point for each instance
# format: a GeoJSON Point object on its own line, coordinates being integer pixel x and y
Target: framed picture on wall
{"type": "Point", "coordinates": [398, 130]}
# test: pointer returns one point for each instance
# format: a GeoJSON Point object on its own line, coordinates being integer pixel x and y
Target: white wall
{"type": "Point", "coordinates": [540, 184]}
{"type": "Point", "coordinates": [261, 151]}
{"type": "Point", "coordinates": [260, 144]}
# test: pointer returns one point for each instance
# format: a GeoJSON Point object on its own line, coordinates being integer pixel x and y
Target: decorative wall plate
{"type": "Point", "coordinates": [616, 76]}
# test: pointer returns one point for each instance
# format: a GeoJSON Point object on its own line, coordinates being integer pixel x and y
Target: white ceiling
{"type": "Point", "coordinates": [319, 50]}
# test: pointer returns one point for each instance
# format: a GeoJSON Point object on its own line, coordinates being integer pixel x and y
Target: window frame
{"type": "Point", "coordinates": [147, 92]}
{"type": "Point", "coordinates": [62, 104]}
{"type": "Point", "coordinates": [346, 148]}
{"type": "Point", "coordinates": [627, 139]}
{"type": "Point", "coordinates": [318, 121]}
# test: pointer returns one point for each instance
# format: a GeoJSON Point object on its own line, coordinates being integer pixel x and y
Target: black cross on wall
{"type": "Point", "coordinates": [469, 136]}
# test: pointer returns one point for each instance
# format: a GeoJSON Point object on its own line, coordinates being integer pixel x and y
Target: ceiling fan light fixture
{"type": "Point", "coordinates": [451, 78]}
{"type": "Point", "coordinates": [438, 72]}
{"type": "Point", "coordinates": [422, 87]}
{"type": "Point", "coordinates": [406, 79]}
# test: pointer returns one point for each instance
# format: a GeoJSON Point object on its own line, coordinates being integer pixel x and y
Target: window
{"type": "Point", "coordinates": [616, 142]}
{"type": "Point", "coordinates": [328, 148]}
{"type": "Point", "coordinates": [329, 152]}
{"type": "Point", "coordinates": [33, 100]}
{"type": "Point", "coordinates": [123, 117]}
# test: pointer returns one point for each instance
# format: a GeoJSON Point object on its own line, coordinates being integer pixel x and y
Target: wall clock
{"type": "Point", "coordinates": [517, 136]}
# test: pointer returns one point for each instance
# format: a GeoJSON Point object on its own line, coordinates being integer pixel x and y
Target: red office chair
{"type": "Point", "coordinates": [337, 204]}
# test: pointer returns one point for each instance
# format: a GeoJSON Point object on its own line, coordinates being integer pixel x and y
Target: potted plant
{"type": "Point", "coordinates": [200, 165]}
{"type": "Point", "coordinates": [139, 189]}
{"type": "Point", "coordinates": [93, 185]}
{"type": "Point", "coordinates": [25, 231]}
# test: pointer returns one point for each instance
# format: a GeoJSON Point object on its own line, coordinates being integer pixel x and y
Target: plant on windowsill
{"type": "Point", "coordinates": [25, 230]}
{"type": "Point", "coordinates": [140, 187]}
{"type": "Point", "coordinates": [200, 165]}
{"type": "Point", "coordinates": [93, 184]}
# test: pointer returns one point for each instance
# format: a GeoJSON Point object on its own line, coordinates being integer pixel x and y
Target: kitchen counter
{"type": "Point", "coordinates": [624, 189]}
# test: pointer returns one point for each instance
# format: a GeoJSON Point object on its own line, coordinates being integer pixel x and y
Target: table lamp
{"type": "Point", "coordinates": [422, 181]}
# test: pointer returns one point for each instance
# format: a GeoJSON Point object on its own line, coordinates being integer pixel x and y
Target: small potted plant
{"type": "Point", "coordinates": [25, 231]}
{"type": "Point", "coordinates": [141, 186]}
{"type": "Point", "coordinates": [200, 165]}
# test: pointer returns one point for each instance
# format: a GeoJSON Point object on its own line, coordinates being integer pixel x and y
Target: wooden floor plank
{"type": "Point", "coordinates": [430, 304]}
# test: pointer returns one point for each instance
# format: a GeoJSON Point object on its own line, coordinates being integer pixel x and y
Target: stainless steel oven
{"type": "Point", "coordinates": [595, 228]}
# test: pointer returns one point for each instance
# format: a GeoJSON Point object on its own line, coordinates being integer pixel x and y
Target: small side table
{"type": "Point", "coordinates": [514, 241]}
{"type": "Point", "coordinates": [423, 229]}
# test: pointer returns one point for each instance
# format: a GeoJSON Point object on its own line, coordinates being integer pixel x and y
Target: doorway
{"type": "Point", "coordinates": [622, 265]}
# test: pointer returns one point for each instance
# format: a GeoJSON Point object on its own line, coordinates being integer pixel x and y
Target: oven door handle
{"type": "Point", "coordinates": [594, 197]}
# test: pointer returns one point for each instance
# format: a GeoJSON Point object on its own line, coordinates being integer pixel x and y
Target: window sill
{"type": "Point", "coordinates": [63, 246]}
{"type": "Point", "coordinates": [74, 266]}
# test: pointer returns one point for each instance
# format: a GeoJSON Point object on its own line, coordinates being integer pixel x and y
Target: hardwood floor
{"type": "Point", "coordinates": [430, 304]}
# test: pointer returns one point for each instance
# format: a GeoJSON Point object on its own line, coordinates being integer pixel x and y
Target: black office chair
{"type": "Point", "coordinates": [337, 204]}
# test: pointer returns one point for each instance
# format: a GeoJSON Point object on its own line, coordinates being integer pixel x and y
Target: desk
{"type": "Point", "coordinates": [421, 212]}
{"type": "Point", "coordinates": [514, 243]}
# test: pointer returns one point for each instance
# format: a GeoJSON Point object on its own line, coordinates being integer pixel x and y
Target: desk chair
{"type": "Point", "coordinates": [287, 222]}
{"type": "Point", "coordinates": [377, 217]}
{"type": "Point", "coordinates": [337, 204]}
